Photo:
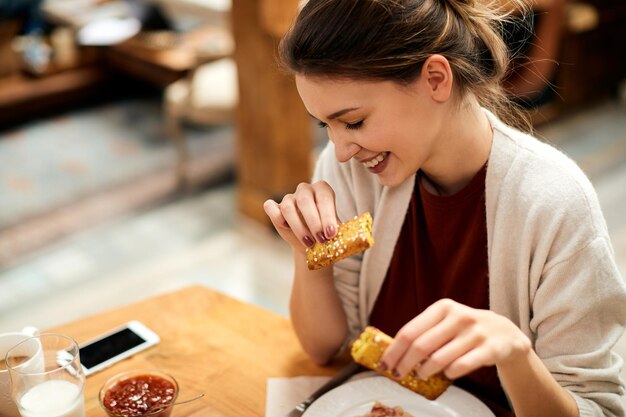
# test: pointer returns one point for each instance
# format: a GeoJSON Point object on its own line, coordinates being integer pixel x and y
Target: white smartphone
{"type": "Point", "coordinates": [115, 345]}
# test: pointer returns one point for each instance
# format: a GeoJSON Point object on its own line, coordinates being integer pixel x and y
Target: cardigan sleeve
{"type": "Point", "coordinates": [346, 272]}
{"type": "Point", "coordinates": [578, 309]}
{"type": "Point", "coordinates": [552, 268]}
{"type": "Point", "coordinates": [579, 312]}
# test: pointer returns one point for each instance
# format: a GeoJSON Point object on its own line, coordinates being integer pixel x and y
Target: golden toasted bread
{"type": "Point", "coordinates": [367, 351]}
{"type": "Point", "coordinates": [353, 236]}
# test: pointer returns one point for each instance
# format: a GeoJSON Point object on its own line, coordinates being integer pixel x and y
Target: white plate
{"type": "Point", "coordinates": [356, 398]}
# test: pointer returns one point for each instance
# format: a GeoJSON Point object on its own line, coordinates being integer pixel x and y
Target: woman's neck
{"type": "Point", "coordinates": [463, 149]}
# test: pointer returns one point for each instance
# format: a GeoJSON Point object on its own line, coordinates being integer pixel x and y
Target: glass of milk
{"type": "Point", "coordinates": [53, 383]}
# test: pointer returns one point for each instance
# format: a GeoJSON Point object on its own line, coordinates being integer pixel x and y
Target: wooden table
{"type": "Point", "coordinates": [177, 55]}
{"type": "Point", "coordinates": [211, 343]}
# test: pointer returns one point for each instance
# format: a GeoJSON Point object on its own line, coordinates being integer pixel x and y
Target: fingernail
{"type": "Point", "coordinates": [330, 232]}
{"type": "Point", "coordinates": [308, 241]}
{"type": "Point", "coordinates": [395, 373]}
{"type": "Point", "coordinates": [383, 367]}
{"type": "Point", "coordinates": [321, 238]}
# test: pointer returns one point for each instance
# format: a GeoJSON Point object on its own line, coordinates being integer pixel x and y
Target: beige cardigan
{"type": "Point", "coordinates": [551, 264]}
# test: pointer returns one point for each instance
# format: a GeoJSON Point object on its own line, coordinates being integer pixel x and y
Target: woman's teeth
{"type": "Point", "coordinates": [377, 160]}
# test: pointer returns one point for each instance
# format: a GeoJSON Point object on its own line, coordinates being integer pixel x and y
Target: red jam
{"type": "Point", "coordinates": [140, 395]}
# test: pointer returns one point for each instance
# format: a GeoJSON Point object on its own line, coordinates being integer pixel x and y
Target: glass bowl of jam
{"type": "Point", "coordinates": [139, 393]}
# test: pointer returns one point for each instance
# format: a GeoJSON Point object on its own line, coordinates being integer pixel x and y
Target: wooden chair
{"type": "Point", "coordinates": [207, 96]}
{"type": "Point", "coordinates": [533, 73]}
{"type": "Point", "coordinates": [574, 56]}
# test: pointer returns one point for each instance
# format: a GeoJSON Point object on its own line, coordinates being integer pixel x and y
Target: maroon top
{"type": "Point", "coordinates": [442, 253]}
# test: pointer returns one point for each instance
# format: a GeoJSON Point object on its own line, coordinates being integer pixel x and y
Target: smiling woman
{"type": "Point", "coordinates": [377, 121]}
{"type": "Point", "coordinates": [422, 137]}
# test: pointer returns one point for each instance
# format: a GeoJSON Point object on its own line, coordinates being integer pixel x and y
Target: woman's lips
{"type": "Point", "coordinates": [378, 163]}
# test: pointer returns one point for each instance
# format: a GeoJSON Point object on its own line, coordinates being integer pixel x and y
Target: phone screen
{"type": "Point", "coordinates": [115, 344]}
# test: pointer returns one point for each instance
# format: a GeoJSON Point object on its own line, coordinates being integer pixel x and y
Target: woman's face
{"type": "Point", "coordinates": [390, 128]}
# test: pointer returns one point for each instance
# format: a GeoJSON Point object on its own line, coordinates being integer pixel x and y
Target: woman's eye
{"type": "Point", "coordinates": [354, 125]}
{"type": "Point", "coordinates": [348, 125]}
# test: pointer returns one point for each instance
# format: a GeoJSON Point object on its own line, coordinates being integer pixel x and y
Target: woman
{"type": "Point", "coordinates": [492, 261]}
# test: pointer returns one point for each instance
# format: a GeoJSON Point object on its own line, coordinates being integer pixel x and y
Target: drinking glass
{"type": "Point", "coordinates": [53, 383]}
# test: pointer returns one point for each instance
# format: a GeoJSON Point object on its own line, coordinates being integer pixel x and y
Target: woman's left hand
{"type": "Point", "coordinates": [456, 339]}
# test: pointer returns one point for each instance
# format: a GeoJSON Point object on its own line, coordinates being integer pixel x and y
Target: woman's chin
{"type": "Point", "coordinates": [390, 181]}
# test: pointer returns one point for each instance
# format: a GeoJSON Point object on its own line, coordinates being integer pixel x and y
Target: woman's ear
{"type": "Point", "coordinates": [437, 75]}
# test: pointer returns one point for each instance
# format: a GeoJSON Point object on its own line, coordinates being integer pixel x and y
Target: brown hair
{"type": "Point", "coordinates": [391, 39]}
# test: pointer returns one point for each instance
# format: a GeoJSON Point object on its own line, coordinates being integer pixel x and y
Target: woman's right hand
{"type": "Point", "coordinates": [305, 216]}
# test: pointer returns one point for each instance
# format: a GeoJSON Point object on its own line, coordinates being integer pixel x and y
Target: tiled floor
{"type": "Point", "coordinates": [71, 170]}
{"type": "Point", "coordinates": [201, 239]}
{"type": "Point", "coordinates": [196, 240]}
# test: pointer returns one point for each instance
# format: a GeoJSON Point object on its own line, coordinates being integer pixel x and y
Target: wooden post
{"type": "Point", "coordinates": [273, 130]}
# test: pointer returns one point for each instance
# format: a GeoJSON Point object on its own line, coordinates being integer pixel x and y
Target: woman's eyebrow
{"type": "Point", "coordinates": [341, 112]}
{"type": "Point", "coordinates": [337, 113]}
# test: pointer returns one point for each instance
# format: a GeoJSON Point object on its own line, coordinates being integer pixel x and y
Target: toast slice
{"type": "Point", "coordinates": [367, 351]}
{"type": "Point", "coordinates": [353, 236]}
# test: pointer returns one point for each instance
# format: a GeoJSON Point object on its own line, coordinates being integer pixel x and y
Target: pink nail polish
{"type": "Point", "coordinates": [382, 367]}
{"type": "Point", "coordinates": [308, 241]}
{"type": "Point", "coordinates": [330, 232]}
{"type": "Point", "coordinates": [321, 238]}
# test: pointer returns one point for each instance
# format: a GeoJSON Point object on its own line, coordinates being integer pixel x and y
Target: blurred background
{"type": "Point", "coordinates": [139, 138]}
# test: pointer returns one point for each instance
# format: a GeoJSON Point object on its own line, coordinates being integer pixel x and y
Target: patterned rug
{"type": "Point", "coordinates": [61, 175]}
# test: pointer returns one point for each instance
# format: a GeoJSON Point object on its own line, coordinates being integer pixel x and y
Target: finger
{"type": "Point", "coordinates": [429, 342]}
{"type": "Point", "coordinates": [272, 209]}
{"type": "Point", "coordinates": [443, 357]}
{"type": "Point", "coordinates": [307, 206]}
{"type": "Point", "coordinates": [470, 361]}
{"type": "Point", "coordinates": [411, 331]}
{"type": "Point", "coordinates": [290, 212]}
{"type": "Point", "coordinates": [276, 217]}
{"type": "Point", "coordinates": [325, 199]}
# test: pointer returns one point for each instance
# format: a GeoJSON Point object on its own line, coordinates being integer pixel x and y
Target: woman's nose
{"type": "Point", "coordinates": [344, 148]}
